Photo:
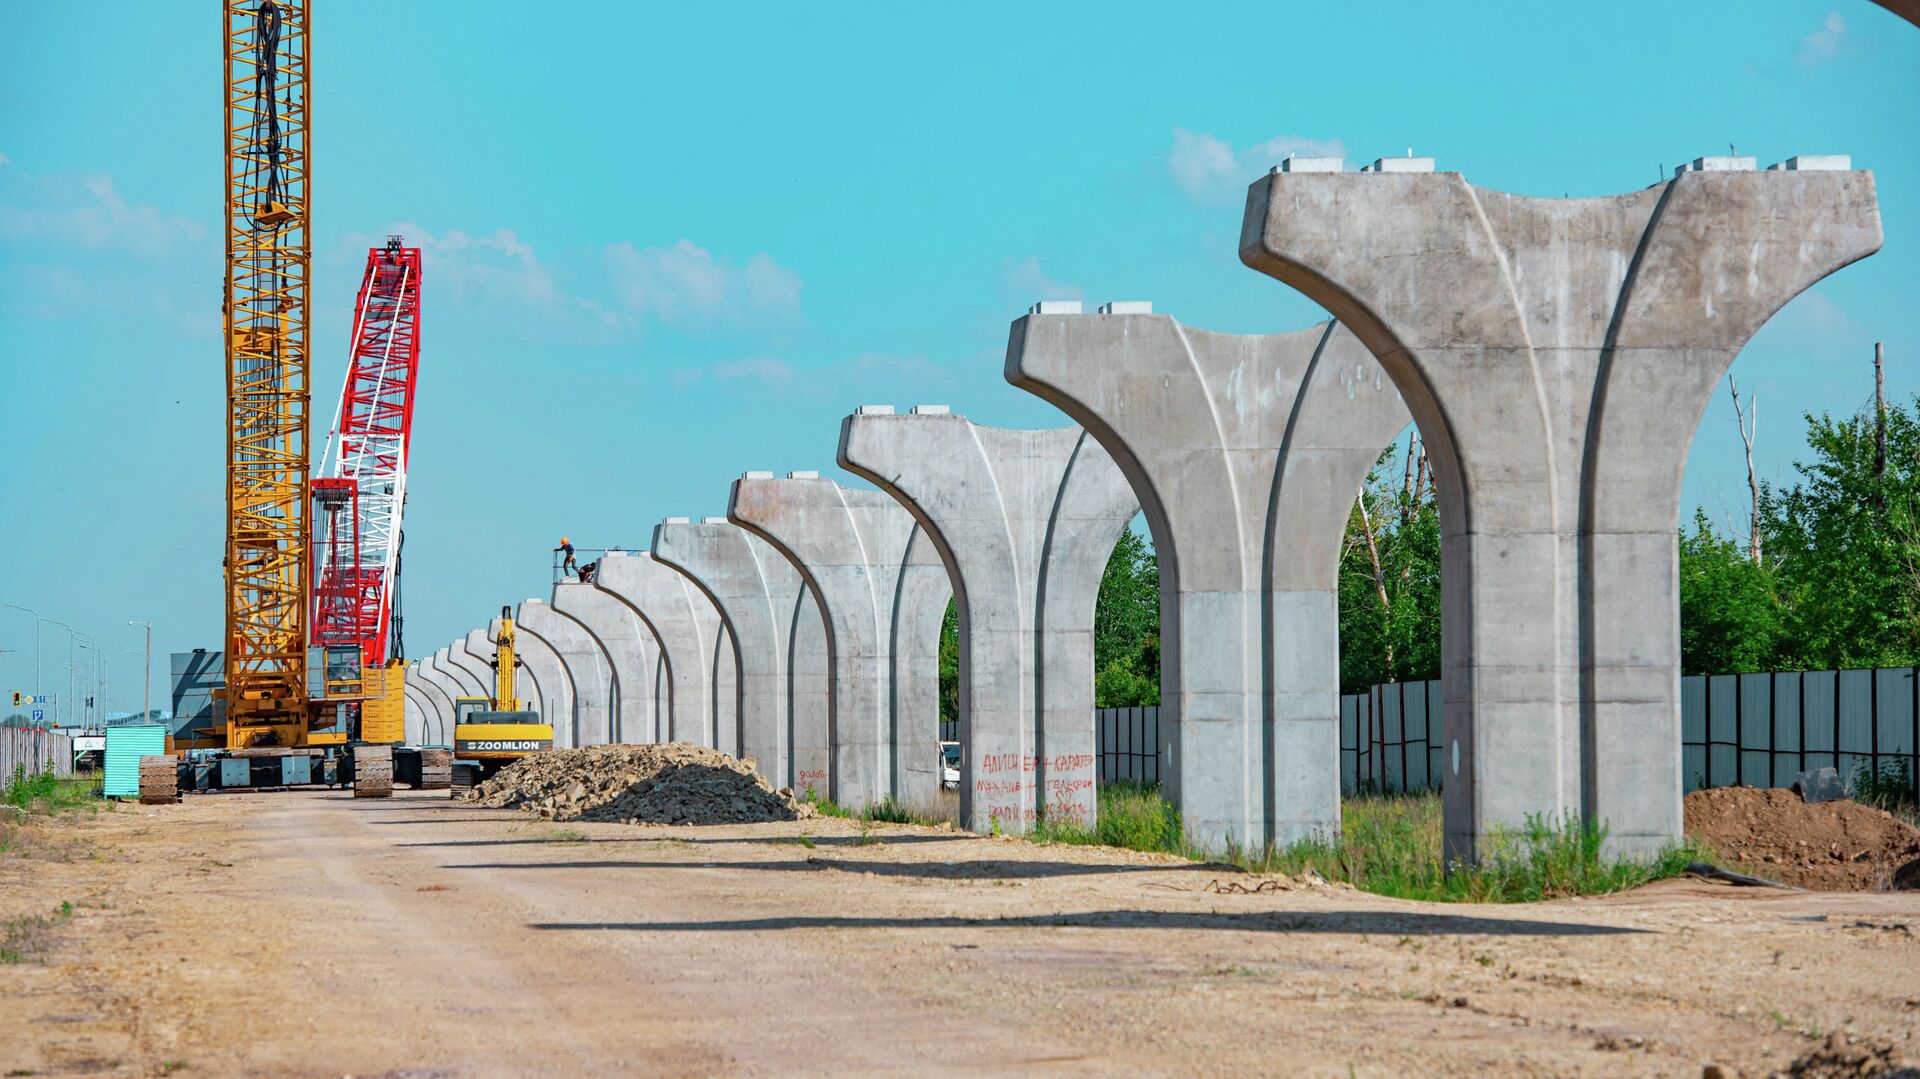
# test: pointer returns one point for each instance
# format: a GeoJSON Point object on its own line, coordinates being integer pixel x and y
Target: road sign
{"type": "Point", "coordinates": [39, 715]}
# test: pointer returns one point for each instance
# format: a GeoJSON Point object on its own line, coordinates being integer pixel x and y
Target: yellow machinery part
{"type": "Point", "coordinates": [383, 711]}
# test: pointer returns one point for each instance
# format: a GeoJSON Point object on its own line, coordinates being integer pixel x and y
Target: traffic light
{"type": "Point", "coordinates": [16, 698]}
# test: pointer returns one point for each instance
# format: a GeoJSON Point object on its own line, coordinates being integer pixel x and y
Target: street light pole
{"type": "Point", "coordinates": [146, 681]}
{"type": "Point", "coordinates": [60, 712]}
{"type": "Point", "coordinates": [36, 644]}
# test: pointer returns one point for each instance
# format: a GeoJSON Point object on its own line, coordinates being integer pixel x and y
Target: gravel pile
{"type": "Point", "coordinates": [670, 783]}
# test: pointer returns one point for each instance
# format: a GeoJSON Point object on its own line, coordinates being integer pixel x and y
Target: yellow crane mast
{"type": "Point", "coordinates": [265, 77]}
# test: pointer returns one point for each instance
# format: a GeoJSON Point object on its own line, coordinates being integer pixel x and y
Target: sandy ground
{"type": "Point", "coordinates": [312, 934]}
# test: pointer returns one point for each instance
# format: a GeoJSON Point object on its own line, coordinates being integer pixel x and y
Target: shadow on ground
{"type": "Point", "coordinates": [1402, 923]}
{"type": "Point", "coordinates": [989, 869]}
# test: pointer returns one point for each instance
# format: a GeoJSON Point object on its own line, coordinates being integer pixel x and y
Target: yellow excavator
{"type": "Point", "coordinates": [490, 733]}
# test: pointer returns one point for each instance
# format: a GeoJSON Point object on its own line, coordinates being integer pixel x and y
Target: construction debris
{"type": "Point", "coordinates": [1831, 846]}
{"type": "Point", "coordinates": [669, 783]}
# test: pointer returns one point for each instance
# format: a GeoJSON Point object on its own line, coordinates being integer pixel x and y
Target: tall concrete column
{"type": "Point", "coordinates": [857, 553]}
{"type": "Point", "coordinates": [559, 691]}
{"type": "Point", "coordinates": [684, 623]}
{"type": "Point", "coordinates": [628, 644]}
{"type": "Point", "coordinates": [752, 585]}
{"type": "Point", "coordinates": [1240, 449]}
{"type": "Point", "coordinates": [809, 689]}
{"type": "Point", "coordinates": [1025, 522]}
{"type": "Point", "coordinates": [587, 667]}
{"type": "Point", "coordinates": [469, 681]}
{"type": "Point", "coordinates": [724, 670]}
{"type": "Point", "coordinates": [1557, 355]}
{"type": "Point", "coordinates": [479, 644]}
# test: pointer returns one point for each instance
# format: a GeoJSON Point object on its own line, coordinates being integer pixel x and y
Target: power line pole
{"type": "Point", "coordinates": [1880, 424]}
{"type": "Point", "coordinates": [146, 681]}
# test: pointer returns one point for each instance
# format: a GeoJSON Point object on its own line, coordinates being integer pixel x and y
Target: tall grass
{"type": "Point", "coordinates": [44, 792]}
{"type": "Point", "coordinates": [1391, 845]}
{"type": "Point", "coordinates": [1890, 787]}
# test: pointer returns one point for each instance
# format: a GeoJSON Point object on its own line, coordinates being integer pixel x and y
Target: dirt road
{"type": "Point", "coordinates": [310, 934]}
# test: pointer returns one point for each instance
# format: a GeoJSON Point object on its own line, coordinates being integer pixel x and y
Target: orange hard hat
{"type": "Point", "coordinates": [563, 540]}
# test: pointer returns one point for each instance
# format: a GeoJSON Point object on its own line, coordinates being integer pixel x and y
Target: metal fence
{"type": "Point", "coordinates": [34, 750]}
{"type": "Point", "coordinates": [1128, 744]}
{"type": "Point", "coordinates": [1735, 729]}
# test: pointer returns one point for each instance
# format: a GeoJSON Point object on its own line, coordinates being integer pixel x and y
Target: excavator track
{"type": "Point", "coordinates": [159, 780]}
{"type": "Point", "coordinates": [373, 772]}
{"type": "Point", "coordinates": [436, 769]}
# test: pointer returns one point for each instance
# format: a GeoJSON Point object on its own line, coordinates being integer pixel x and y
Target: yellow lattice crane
{"type": "Point", "coordinates": [265, 78]}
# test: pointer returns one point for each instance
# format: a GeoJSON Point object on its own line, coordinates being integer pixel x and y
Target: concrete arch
{"type": "Point", "coordinates": [629, 646]}
{"type": "Point", "coordinates": [477, 671]}
{"type": "Point", "coordinates": [441, 704]}
{"type": "Point", "coordinates": [588, 668]}
{"type": "Point", "coordinates": [685, 625]}
{"type": "Point", "coordinates": [1557, 355]}
{"type": "Point", "coordinates": [1024, 522]}
{"type": "Point", "coordinates": [468, 682]}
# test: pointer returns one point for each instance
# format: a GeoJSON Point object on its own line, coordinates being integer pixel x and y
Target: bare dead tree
{"type": "Point", "coordinates": [1748, 420]}
{"type": "Point", "coordinates": [1379, 574]}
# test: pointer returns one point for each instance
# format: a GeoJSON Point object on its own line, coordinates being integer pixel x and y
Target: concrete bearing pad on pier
{"type": "Point", "coordinates": [1557, 355]}
{"type": "Point", "coordinates": [882, 593]}
{"type": "Point", "coordinates": [587, 668]}
{"type": "Point", "coordinates": [558, 692]}
{"type": "Point", "coordinates": [1025, 522]}
{"type": "Point", "coordinates": [628, 644]}
{"type": "Point", "coordinates": [1246, 453]}
{"type": "Point", "coordinates": [685, 624]}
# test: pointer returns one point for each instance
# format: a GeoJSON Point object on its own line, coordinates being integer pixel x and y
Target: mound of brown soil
{"type": "Point", "coordinates": [1833, 846]}
{"type": "Point", "coordinates": [669, 783]}
{"type": "Point", "coordinates": [1847, 1057]}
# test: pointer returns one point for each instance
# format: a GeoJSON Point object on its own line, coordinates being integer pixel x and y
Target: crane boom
{"type": "Point", "coordinates": [358, 550]}
{"type": "Point", "coordinates": [264, 83]}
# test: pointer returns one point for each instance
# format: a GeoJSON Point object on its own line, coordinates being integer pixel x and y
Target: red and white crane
{"type": "Point", "coordinates": [360, 489]}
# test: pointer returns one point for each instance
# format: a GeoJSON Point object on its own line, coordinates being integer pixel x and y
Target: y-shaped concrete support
{"type": "Point", "coordinates": [474, 672]}
{"type": "Point", "coordinates": [557, 690]}
{"type": "Point", "coordinates": [1025, 522]}
{"type": "Point", "coordinates": [628, 643]}
{"type": "Point", "coordinates": [880, 593]}
{"type": "Point", "coordinates": [748, 582]}
{"type": "Point", "coordinates": [469, 681]}
{"type": "Point", "coordinates": [1245, 452]}
{"type": "Point", "coordinates": [587, 666]}
{"type": "Point", "coordinates": [439, 682]}
{"type": "Point", "coordinates": [684, 623]}
{"type": "Point", "coordinates": [1557, 355]}
{"type": "Point", "coordinates": [526, 685]}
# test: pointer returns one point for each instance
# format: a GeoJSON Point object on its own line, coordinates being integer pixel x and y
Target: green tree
{"type": "Point", "coordinates": [1844, 543]}
{"type": "Point", "coordinates": [1729, 614]}
{"type": "Point", "coordinates": [1126, 626]}
{"type": "Point", "coordinates": [1389, 585]}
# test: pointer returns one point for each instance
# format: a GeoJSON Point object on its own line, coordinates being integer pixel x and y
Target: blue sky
{"type": "Point", "coordinates": [669, 243]}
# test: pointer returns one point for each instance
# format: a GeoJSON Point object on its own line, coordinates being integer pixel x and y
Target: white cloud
{"type": "Point", "coordinates": [1824, 43]}
{"type": "Point", "coordinates": [767, 372]}
{"type": "Point", "coordinates": [1025, 282]}
{"type": "Point", "coordinates": [88, 211]}
{"type": "Point", "coordinates": [685, 280]}
{"type": "Point", "coordinates": [496, 272]}
{"type": "Point", "coordinates": [1209, 169]}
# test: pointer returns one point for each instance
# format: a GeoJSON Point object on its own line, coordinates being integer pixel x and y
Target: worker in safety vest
{"type": "Point", "coordinates": [567, 564]}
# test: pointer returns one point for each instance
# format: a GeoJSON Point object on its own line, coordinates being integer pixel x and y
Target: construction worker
{"type": "Point", "coordinates": [567, 564]}
{"type": "Point", "coordinates": [586, 572]}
